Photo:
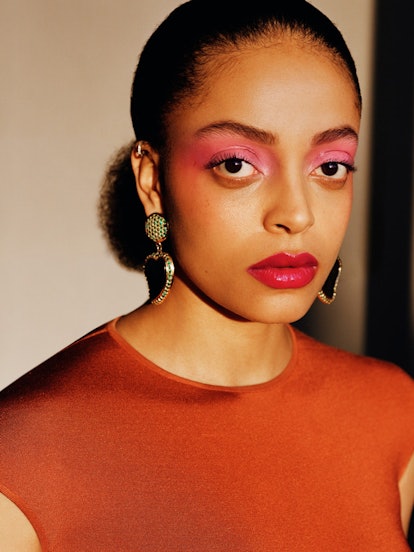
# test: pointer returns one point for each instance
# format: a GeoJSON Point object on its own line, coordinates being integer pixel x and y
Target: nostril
{"type": "Point", "coordinates": [283, 227]}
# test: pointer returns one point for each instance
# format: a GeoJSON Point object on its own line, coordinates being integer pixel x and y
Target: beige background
{"type": "Point", "coordinates": [66, 71]}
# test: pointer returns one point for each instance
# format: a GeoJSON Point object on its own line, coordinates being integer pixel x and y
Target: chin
{"type": "Point", "coordinates": [287, 311]}
{"type": "Point", "coordinates": [283, 309]}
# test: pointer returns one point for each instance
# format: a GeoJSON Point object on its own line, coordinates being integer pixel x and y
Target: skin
{"type": "Point", "coordinates": [223, 222]}
{"type": "Point", "coordinates": [16, 532]}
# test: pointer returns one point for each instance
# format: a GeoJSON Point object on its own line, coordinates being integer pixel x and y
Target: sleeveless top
{"type": "Point", "coordinates": [103, 450]}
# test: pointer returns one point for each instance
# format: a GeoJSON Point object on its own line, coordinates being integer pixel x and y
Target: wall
{"type": "Point", "coordinates": [66, 71]}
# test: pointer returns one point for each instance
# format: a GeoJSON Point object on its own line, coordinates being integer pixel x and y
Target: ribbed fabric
{"type": "Point", "coordinates": [105, 452]}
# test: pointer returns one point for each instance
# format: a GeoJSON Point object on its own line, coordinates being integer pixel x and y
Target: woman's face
{"type": "Point", "coordinates": [260, 181]}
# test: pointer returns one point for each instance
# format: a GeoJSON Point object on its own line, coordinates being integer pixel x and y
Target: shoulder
{"type": "Point", "coordinates": [353, 369]}
{"type": "Point", "coordinates": [361, 394]}
{"type": "Point", "coordinates": [42, 410]}
{"type": "Point", "coordinates": [45, 416]}
{"type": "Point", "coordinates": [66, 371]}
{"type": "Point", "coordinates": [375, 388]}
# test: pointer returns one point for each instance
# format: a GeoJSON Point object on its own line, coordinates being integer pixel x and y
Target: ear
{"type": "Point", "coordinates": [145, 168]}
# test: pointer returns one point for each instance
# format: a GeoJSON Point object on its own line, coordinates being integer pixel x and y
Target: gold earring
{"type": "Point", "coordinates": [158, 266]}
{"type": "Point", "coordinates": [327, 294]}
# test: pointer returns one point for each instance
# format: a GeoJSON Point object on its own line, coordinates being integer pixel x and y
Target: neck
{"type": "Point", "coordinates": [193, 340]}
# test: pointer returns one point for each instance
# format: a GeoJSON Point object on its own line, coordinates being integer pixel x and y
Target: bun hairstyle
{"type": "Point", "coordinates": [173, 67]}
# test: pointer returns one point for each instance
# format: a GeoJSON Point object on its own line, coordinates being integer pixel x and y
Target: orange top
{"type": "Point", "coordinates": [105, 451]}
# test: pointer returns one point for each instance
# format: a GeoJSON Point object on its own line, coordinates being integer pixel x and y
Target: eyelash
{"type": "Point", "coordinates": [350, 168]}
{"type": "Point", "coordinates": [226, 157]}
{"type": "Point", "coordinates": [244, 169]}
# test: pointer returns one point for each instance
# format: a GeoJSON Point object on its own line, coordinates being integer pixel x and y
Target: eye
{"type": "Point", "coordinates": [334, 170]}
{"type": "Point", "coordinates": [232, 167]}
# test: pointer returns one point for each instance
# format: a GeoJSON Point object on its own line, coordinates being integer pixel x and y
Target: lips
{"type": "Point", "coordinates": [285, 270]}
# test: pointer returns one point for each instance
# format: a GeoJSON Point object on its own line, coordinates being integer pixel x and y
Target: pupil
{"type": "Point", "coordinates": [330, 169]}
{"type": "Point", "coordinates": [233, 165]}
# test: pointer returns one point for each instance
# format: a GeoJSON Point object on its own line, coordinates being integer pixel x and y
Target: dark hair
{"type": "Point", "coordinates": [173, 66]}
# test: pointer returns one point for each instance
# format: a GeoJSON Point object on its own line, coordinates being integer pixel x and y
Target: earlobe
{"type": "Point", "coordinates": [145, 162]}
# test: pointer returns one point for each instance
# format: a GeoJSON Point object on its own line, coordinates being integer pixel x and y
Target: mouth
{"type": "Point", "coordinates": [285, 270]}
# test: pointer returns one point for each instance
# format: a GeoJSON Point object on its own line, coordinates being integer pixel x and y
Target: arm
{"type": "Point", "coordinates": [406, 486]}
{"type": "Point", "coordinates": [16, 532]}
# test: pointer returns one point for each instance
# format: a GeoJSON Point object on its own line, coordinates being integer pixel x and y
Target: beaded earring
{"type": "Point", "coordinates": [158, 266]}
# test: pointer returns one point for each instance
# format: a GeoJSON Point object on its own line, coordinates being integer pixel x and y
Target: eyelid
{"type": "Point", "coordinates": [242, 153]}
{"type": "Point", "coordinates": [340, 151]}
{"type": "Point", "coordinates": [339, 156]}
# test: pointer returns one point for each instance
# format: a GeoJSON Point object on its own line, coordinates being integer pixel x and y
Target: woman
{"type": "Point", "coordinates": [203, 421]}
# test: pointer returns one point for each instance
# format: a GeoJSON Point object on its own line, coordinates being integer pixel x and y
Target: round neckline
{"type": "Point", "coordinates": [135, 354]}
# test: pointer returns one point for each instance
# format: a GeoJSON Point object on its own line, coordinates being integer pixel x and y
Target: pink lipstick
{"type": "Point", "coordinates": [285, 270]}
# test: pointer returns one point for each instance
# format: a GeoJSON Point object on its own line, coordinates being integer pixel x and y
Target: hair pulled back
{"type": "Point", "coordinates": [173, 67]}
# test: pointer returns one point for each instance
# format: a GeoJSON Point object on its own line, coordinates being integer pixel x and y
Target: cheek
{"type": "Point", "coordinates": [347, 203]}
{"type": "Point", "coordinates": [196, 201]}
{"type": "Point", "coordinates": [332, 217]}
{"type": "Point", "coordinates": [194, 212]}
{"type": "Point", "coordinates": [186, 196]}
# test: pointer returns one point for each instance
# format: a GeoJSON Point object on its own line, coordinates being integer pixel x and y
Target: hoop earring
{"type": "Point", "coordinates": [327, 294]}
{"type": "Point", "coordinates": [158, 266]}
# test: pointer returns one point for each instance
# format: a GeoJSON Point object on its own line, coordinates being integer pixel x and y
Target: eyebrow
{"type": "Point", "coordinates": [250, 132]}
{"type": "Point", "coordinates": [333, 134]}
{"type": "Point", "coordinates": [266, 137]}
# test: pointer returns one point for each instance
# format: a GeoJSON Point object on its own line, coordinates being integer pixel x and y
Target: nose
{"type": "Point", "coordinates": [289, 207]}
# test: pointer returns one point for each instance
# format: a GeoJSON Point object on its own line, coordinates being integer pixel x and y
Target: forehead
{"type": "Point", "coordinates": [280, 84]}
